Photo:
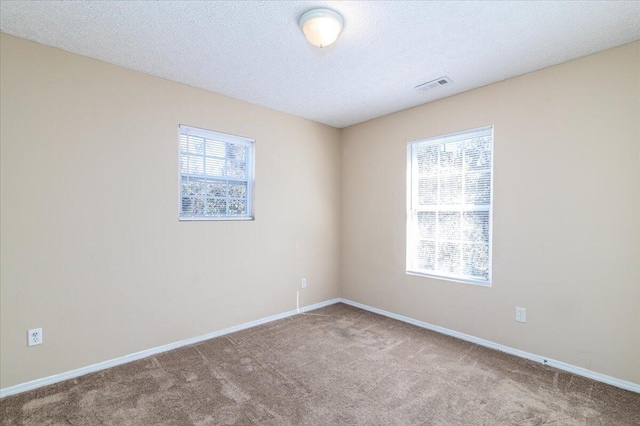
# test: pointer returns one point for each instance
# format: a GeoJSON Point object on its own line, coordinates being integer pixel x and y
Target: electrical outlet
{"type": "Point", "coordinates": [304, 282]}
{"type": "Point", "coordinates": [34, 337]}
{"type": "Point", "coordinates": [521, 314]}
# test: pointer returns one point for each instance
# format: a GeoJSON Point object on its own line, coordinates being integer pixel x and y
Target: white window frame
{"type": "Point", "coordinates": [412, 194]}
{"type": "Point", "coordinates": [250, 172]}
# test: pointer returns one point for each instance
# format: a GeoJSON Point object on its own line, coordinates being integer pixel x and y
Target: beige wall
{"type": "Point", "coordinates": [92, 249]}
{"type": "Point", "coordinates": [566, 236]}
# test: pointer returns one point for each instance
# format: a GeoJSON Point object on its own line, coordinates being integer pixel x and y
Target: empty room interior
{"type": "Point", "coordinates": [320, 212]}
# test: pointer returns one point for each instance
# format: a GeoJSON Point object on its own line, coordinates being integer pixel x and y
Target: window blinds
{"type": "Point", "coordinates": [449, 206]}
{"type": "Point", "coordinates": [216, 175]}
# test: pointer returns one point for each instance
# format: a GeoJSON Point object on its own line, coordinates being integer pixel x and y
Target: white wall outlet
{"type": "Point", "coordinates": [304, 282]}
{"type": "Point", "coordinates": [521, 314]}
{"type": "Point", "coordinates": [34, 337]}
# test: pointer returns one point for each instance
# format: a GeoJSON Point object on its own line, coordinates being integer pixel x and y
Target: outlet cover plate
{"type": "Point", "coordinates": [34, 337]}
{"type": "Point", "coordinates": [304, 283]}
{"type": "Point", "coordinates": [521, 314]}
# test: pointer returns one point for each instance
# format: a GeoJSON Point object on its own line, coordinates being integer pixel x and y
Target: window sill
{"type": "Point", "coordinates": [454, 279]}
{"type": "Point", "coordinates": [216, 219]}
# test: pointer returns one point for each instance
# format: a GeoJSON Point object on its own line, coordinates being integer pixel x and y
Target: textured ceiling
{"type": "Point", "coordinates": [254, 51]}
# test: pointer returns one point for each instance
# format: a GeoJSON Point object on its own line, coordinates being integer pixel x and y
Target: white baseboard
{"type": "Point", "coordinates": [34, 384]}
{"type": "Point", "coordinates": [634, 387]}
{"type": "Point", "coordinates": [23, 387]}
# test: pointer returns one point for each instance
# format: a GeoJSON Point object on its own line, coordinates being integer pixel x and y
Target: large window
{"type": "Point", "coordinates": [449, 197]}
{"type": "Point", "coordinates": [216, 175]}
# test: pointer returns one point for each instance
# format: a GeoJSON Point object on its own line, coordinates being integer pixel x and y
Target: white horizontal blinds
{"type": "Point", "coordinates": [451, 205]}
{"type": "Point", "coordinates": [215, 174]}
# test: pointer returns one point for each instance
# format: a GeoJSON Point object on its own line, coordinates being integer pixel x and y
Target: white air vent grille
{"type": "Point", "coordinates": [438, 82]}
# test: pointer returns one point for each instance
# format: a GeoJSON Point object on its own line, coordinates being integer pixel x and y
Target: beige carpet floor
{"type": "Point", "coordinates": [336, 365]}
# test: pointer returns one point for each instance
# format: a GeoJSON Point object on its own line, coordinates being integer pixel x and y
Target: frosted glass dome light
{"type": "Point", "coordinates": [321, 26]}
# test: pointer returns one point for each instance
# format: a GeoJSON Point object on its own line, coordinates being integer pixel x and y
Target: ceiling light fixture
{"type": "Point", "coordinates": [321, 26]}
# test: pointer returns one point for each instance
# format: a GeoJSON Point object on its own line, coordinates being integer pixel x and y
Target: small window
{"type": "Point", "coordinates": [216, 175]}
{"type": "Point", "coordinates": [449, 198]}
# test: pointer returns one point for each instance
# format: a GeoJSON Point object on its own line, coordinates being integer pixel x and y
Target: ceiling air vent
{"type": "Point", "coordinates": [438, 82]}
